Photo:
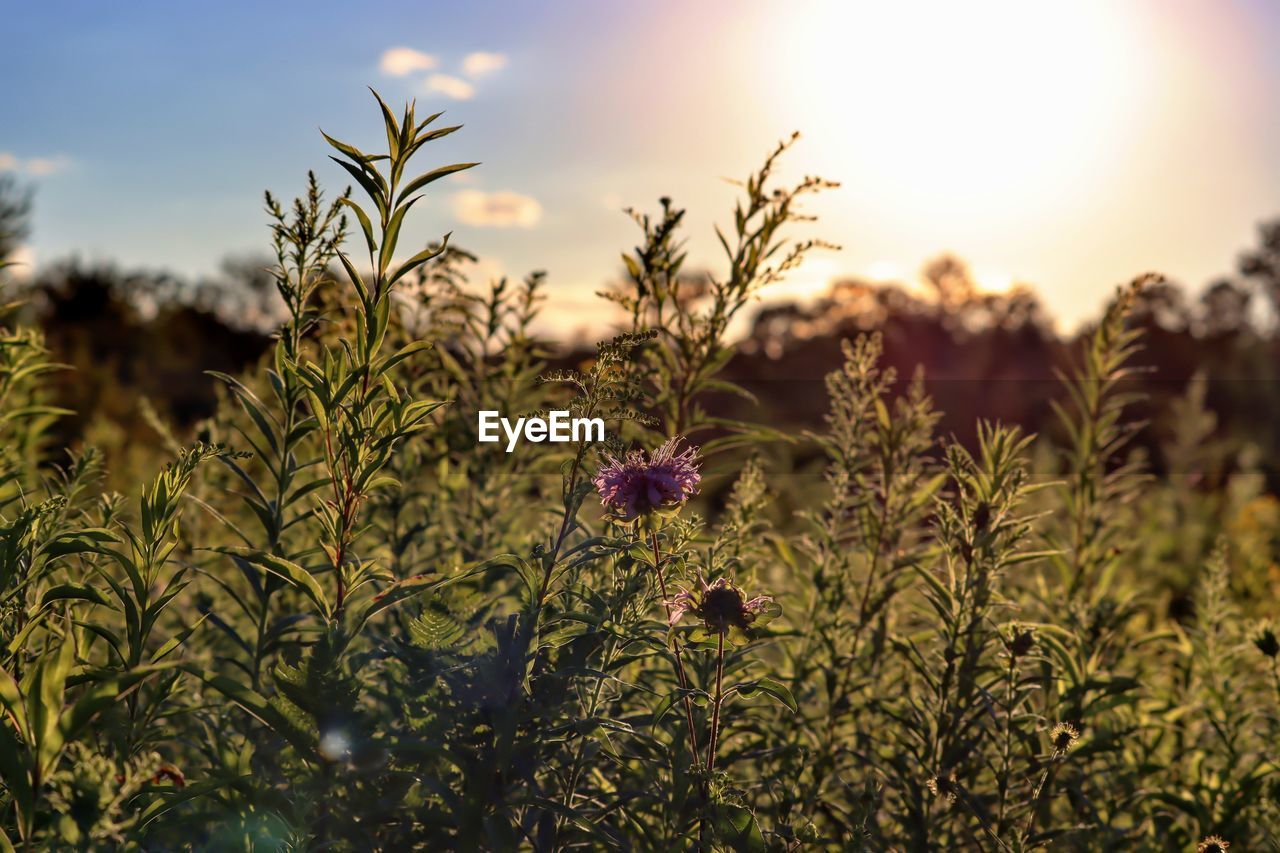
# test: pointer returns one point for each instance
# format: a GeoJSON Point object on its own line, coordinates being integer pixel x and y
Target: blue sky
{"type": "Point", "coordinates": [1070, 146]}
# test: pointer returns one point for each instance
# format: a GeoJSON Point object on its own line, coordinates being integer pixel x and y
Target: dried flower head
{"type": "Point", "coordinates": [1265, 641]}
{"type": "Point", "coordinates": [1213, 844]}
{"type": "Point", "coordinates": [638, 485]}
{"type": "Point", "coordinates": [943, 785]}
{"type": "Point", "coordinates": [1019, 641]}
{"type": "Point", "coordinates": [721, 606]}
{"type": "Point", "coordinates": [1063, 737]}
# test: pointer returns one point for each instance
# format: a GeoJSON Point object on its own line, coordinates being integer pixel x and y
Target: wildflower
{"type": "Point", "coordinates": [943, 785]}
{"type": "Point", "coordinates": [1266, 642]}
{"type": "Point", "coordinates": [1063, 737]}
{"type": "Point", "coordinates": [636, 486]}
{"type": "Point", "coordinates": [722, 607]}
{"type": "Point", "coordinates": [1213, 844]}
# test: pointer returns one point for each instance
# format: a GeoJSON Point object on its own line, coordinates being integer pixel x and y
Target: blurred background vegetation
{"type": "Point", "coordinates": [141, 341]}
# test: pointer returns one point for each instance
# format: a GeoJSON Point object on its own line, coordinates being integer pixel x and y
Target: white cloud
{"type": "Point", "coordinates": [503, 209]}
{"type": "Point", "coordinates": [451, 87]}
{"type": "Point", "coordinates": [400, 61]}
{"type": "Point", "coordinates": [41, 166]}
{"type": "Point", "coordinates": [481, 62]}
{"type": "Point", "coordinates": [37, 167]}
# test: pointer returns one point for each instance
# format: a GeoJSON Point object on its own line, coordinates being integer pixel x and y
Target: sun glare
{"type": "Point", "coordinates": [965, 108]}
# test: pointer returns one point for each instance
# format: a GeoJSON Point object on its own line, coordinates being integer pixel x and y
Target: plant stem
{"type": "Point", "coordinates": [715, 704]}
{"type": "Point", "coordinates": [1006, 752]}
{"type": "Point", "coordinates": [675, 651]}
{"type": "Point", "coordinates": [963, 796]}
{"type": "Point", "coordinates": [871, 572]}
{"type": "Point", "coordinates": [571, 788]}
{"type": "Point", "coordinates": [1035, 799]}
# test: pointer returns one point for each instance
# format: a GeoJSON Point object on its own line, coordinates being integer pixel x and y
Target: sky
{"type": "Point", "coordinates": [1067, 145]}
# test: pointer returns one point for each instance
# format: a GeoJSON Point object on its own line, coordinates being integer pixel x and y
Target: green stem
{"type": "Point", "coordinates": [1035, 799]}
{"type": "Point", "coordinates": [715, 705]}
{"type": "Point", "coordinates": [675, 651]}
{"type": "Point", "coordinates": [1008, 744]}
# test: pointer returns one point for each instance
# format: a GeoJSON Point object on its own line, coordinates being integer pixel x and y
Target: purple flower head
{"type": "Point", "coordinates": [637, 485]}
{"type": "Point", "coordinates": [721, 606]}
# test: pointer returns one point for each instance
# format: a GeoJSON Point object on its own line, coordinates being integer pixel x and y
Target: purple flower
{"type": "Point", "coordinates": [721, 606]}
{"type": "Point", "coordinates": [636, 486]}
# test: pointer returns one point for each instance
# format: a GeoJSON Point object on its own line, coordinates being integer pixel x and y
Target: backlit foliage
{"type": "Point", "coordinates": [335, 621]}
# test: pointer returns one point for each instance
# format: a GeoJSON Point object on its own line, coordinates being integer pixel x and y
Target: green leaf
{"type": "Point", "coordinates": [431, 177]}
{"type": "Point", "coordinates": [391, 236]}
{"type": "Point", "coordinates": [87, 540]}
{"type": "Point", "coordinates": [169, 798]}
{"type": "Point", "coordinates": [102, 694]}
{"type": "Point", "coordinates": [257, 706]}
{"type": "Point", "coordinates": [668, 702]}
{"type": "Point", "coordinates": [362, 290]}
{"type": "Point", "coordinates": [392, 126]}
{"type": "Point", "coordinates": [386, 363]}
{"type": "Point", "coordinates": [737, 828]}
{"type": "Point", "coordinates": [11, 700]}
{"type": "Point", "coordinates": [768, 686]}
{"type": "Point", "coordinates": [350, 150]}
{"type": "Point", "coordinates": [419, 259]}
{"type": "Point", "coordinates": [295, 575]}
{"type": "Point", "coordinates": [368, 184]}
{"type": "Point", "coordinates": [15, 769]}
{"type": "Point", "coordinates": [177, 640]}
{"type": "Point", "coordinates": [72, 592]}
{"type": "Point", "coordinates": [365, 225]}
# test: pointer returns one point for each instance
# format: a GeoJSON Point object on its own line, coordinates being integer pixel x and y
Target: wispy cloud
{"type": "Point", "coordinates": [483, 62]}
{"type": "Point", "coordinates": [36, 167]}
{"type": "Point", "coordinates": [451, 87]}
{"type": "Point", "coordinates": [41, 166]}
{"type": "Point", "coordinates": [504, 209]}
{"type": "Point", "coordinates": [402, 61]}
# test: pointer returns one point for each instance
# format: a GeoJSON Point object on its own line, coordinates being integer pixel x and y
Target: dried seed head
{"type": "Point", "coordinates": [1063, 737]}
{"type": "Point", "coordinates": [1213, 844]}
{"type": "Point", "coordinates": [639, 484]}
{"type": "Point", "coordinates": [1020, 641]}
{"type": "Point", "coordinates": [943, 785]}
{"type": "Point", "coordinates": [720, 605]}
{"type": "Point", "coordinates": [1266, 642]}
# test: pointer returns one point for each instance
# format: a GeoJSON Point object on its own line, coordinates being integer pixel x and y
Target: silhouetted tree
{"type": "Point", "coordinates": [1262, 265]}
{"type": "Point", "coordinates": [15, 213]}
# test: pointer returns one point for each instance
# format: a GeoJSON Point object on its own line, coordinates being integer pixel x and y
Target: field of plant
{"type": "Point", "coordinates": [332, 620]}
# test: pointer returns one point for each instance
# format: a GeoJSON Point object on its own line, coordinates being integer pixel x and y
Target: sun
{"type": "Point", "coordinates": [973, 109]}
